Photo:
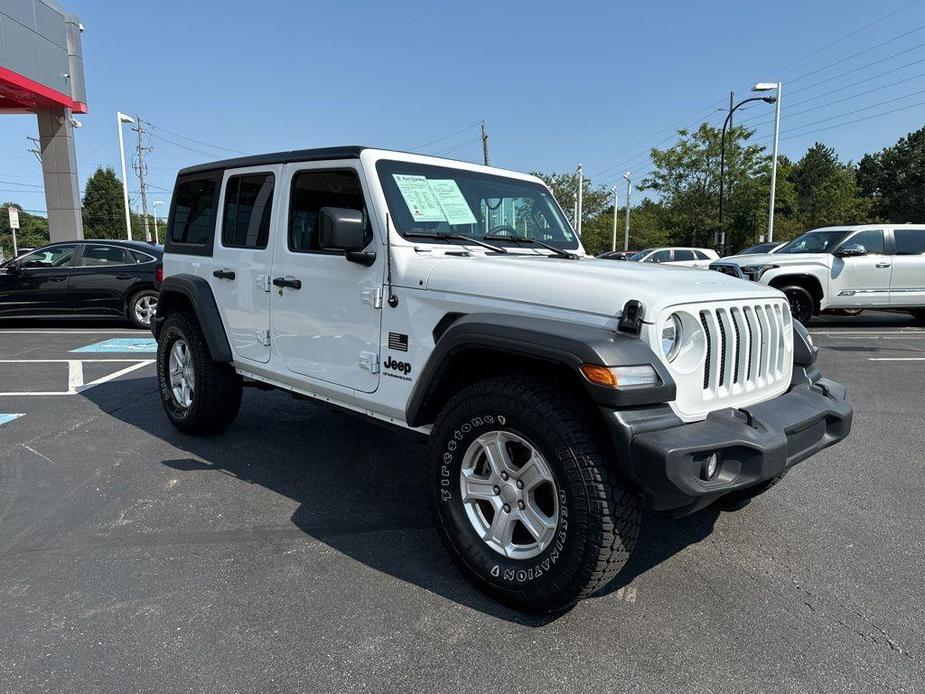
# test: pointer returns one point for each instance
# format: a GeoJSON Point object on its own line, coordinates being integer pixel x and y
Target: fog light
{"type": "Point", "coordinates": [709, 467]}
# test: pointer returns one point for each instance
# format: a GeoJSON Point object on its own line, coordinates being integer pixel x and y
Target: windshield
{"type": "Point", "coordinates": [640, 255]}
{"type": "Point", "coordinates": [443, 200]}
{"type": "Point", "coordinates": [815, 242]}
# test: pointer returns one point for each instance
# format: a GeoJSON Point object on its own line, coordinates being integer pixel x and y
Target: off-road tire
{"type": "Point", "coordinates": [130, 310]}
{"type": "Point", "coordinates": [216, 395]}
{"type": "Point", "coordinates": [802, 303]}
{"type": "Point", "coordinates": [919, 315]}
{"type": "Point", "coordinates": [598, 516]}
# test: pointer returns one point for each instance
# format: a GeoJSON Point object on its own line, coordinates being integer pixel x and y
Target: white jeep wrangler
{"type": "Point", "coordinates": [843, 268]}
{"type": "Point", "coordinates": [452, 299]}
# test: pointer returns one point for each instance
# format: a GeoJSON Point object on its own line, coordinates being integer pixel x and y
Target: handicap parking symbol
{"type": "Point", "coordinates": [121, 345]}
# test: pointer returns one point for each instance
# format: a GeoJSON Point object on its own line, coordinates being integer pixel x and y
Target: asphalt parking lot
{"type": "Point", "coordinates": [294, 552]}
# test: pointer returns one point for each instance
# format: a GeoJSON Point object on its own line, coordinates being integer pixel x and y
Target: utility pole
{"type": "Point", "coordinates": [629, 189]}
{"type": "Point", "coordinates": [485, 144]}
{"type": "Point", "coordinates": [575, 211]}
{"type": "Point", "coordinates": [141, 169]}
{"type": "Point", "coordinates": [613, 245]}
{"type": "Point", "coordinates": [581, 185]}
{"type": "Point", "coordinates": [731, 100]}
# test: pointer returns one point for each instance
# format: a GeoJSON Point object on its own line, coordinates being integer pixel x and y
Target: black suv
{"type": "Point", "coordinates": [83, 279]}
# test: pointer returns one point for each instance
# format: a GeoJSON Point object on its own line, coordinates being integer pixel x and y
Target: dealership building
{"type": "Point", "coordinates": [41, 72]}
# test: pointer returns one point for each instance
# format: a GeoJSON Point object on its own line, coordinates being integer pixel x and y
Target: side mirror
{"type": "Point", "coordinates": [342, 229]}
{"type": "Point", "coordinates": [851, 250]}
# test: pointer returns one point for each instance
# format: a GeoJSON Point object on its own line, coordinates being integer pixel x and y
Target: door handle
{"type": "Point", "coordinates": [882, 264]}
{"type": "Point", "coordinates": [123, 277]}
{"type": "Point", "coordinates": [223, 274]}
{"type": "Point", "coordinates": [287, 282]}
{"type": "Point", "coordinates": [56, 279]}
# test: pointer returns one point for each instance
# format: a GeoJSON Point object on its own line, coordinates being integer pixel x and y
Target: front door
{"type": "Point", "coordinates": [325, 312]}
{"type": "Point", "coordinates": [908, 287]}
{"type": "Point", "coordinates": [862, 280]}
{"type": "Point", "coordinates": [36, 284]}
{"type": "Point", "coordinates": [242, 257]}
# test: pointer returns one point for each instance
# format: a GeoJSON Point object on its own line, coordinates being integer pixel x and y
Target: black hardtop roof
{"type": "Point", "coordinates": [317, 154]}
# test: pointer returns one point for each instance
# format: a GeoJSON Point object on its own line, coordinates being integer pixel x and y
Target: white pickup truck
{"type": "Point", "coordinates": [557, 390]}
{"type": "Point", "coordinates": [849, 268]}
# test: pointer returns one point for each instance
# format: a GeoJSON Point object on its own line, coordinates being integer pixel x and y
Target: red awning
{"type": "Point", "coordinates": [19, 94]}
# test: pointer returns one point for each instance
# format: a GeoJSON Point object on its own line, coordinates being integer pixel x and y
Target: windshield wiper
{"type": "Point", "coordinates": [521, 239]}
{"type": "Point", "coordinates": [443, 236]}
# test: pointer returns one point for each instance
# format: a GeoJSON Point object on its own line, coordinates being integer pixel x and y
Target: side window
{"type": "Point", "coordinates": [662, 256]}
{"type": "Point", "coordinates": [909, 241]}
{"type": "Point", "coordinates": [248, 206]}
{"type": "Point", "coordinates": [312, 190]}
{"type": "Point", "coordinates": [95, 256]}
{"type": "Point", "coordinates": [139, 257]}
{"type": "Point", "coordinates": [701, 255]}
{"type": "Point", "coordinates": [871, 239]}
{"type": "Point", "coordinates": [194, 212]}
{"type": "Point", "coordinates": [684, 254]}
{"type": "Point", "coordinates": [59, 256]}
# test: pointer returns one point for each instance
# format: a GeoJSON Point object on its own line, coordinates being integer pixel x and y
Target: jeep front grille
{"type": "Point", "coordinates": [746, 348]}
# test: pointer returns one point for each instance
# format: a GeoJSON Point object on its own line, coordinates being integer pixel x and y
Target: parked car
{"type": "Point", "coordinates": [766, 247]}
{"type": "Point", "coordinates": [557, 390]}
{"type": "Point", "coordinates": [83, 279]}
{"type": "Point", "coordinates": [616, 255]}
{"type": "Point", "coordinates": [687, 257]}
{"type": "Point", "coordinates": [848, 268]}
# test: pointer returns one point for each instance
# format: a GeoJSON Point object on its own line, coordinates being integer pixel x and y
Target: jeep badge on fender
{"type": "Point", "coordinates": [548, 425]}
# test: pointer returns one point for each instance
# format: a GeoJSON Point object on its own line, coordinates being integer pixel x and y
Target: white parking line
{"type": "Point", "coordinates": [73, 332]}
{"type": "Point", "coordinates": [75, 373]}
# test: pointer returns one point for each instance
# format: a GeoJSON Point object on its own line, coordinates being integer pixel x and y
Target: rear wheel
{"type": "Point", "coordinates": [802, 304]}
{"type": "Point", "coordinates": [142, 308]}
{"type": "Point", "coordinates": [524, 497]}
{"type": "Point", "coordinates": [199, 395]}
{"type": "Point", "coordinates": [919, 315]}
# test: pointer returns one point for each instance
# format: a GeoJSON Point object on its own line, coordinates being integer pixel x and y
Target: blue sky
{"type": "Point", "coordinates": [557, 83]}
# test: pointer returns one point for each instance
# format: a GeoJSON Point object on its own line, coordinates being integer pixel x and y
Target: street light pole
{"type": "Point", "coordinates": [581, 185]}
{"type": "Point", "coordinates": [721, 241]}
{"type": "Point", "coordinates": [155, 204]}
{"type": "Point", "coordinates": [613, 245]}
{"type": "Point", "coordinates": [120, 119]}
{"type": "Point", "coordinates": [774, 165]}
{"type": "Point", "coordinates": [626, 229]}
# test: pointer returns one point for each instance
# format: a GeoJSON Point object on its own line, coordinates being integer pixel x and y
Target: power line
{"type": "Point", "coordinates": [857, 110]}
{"type": "Point", "coordinates": [198, 142]}
{"type": "Point", "coordinates": [445, 137]}
{"type": "Point", "coordinates": [458, 147]}
{"type": "Point", "coordinates": [856, 120]}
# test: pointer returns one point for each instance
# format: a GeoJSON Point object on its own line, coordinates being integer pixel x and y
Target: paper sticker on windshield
{"type": "Point", "coordinates": [455, 208]}
{"type": "Point", "coordinates": [420, 199]}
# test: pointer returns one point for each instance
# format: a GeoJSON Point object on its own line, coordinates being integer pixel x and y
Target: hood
{"type": "Point", "coordinates": [775, 259]}
{"type": "Point", "coordinates": [589, 285]}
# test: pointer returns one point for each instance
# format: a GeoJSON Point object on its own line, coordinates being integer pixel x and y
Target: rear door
{"type": "Point", "coordinates": [862, 280]}
{"type": "Point", "coordinates": [325, 309]}
{"type": "Point", "coordinates": [908, 286]}
{"type": "Point", "coordinates": [243, 256]}
{"type": "Point", "coordinates": [102, 276]}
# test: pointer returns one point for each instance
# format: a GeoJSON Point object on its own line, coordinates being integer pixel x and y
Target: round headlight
{"type": "Point", "coordinates": [671, 337]}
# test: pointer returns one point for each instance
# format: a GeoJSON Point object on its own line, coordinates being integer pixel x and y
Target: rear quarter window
{"type": "Point", "coordinates": [191, 227]}
{"type": "Point", "coordinates": [909, 241]}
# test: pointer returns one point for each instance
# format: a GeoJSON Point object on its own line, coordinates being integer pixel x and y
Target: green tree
{"type": "Point", "coordinates": [894, 180]}
{"type": "Point", "coordinates": [103, 206]}
{"type": "Point", "coordinates": [826, 190]}
{"type": "Point", "coordinates": [597, 207]}
{"type": "Point", "coordinates": [33, 231]}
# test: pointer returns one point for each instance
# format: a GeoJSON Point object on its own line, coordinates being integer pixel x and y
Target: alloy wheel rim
{"type": "Point", "coordinates": [798, 305]}
{"type": "Point", "coordinates": [145, 308]}
{"type": "Point", "coordinates": [180, 367]}
{"type": "Point", "coordinates": [509, 494]}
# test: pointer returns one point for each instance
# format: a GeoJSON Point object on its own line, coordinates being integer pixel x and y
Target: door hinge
{"type": "Point", "coordinates": [373, 297]}
{"type": "Point", "coordinates": [263, 281]}
{"type": "Point", "coordinates": [370, 361]}
{"type": "Point", "coordinates": [264, 338]}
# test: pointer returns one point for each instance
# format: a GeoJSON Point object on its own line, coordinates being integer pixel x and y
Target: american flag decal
{"type": "Point", "coordinates": [398, 342]}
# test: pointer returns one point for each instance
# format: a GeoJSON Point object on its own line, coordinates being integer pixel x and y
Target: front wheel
{"type": "Point", "coordinates": [524, 497]}
{"type": "Point", "coordinates": [802, 304]}
{"type": "Point", "coordinates": [142, 308]}
{"type": "Point", "coordinates": [199, 395]}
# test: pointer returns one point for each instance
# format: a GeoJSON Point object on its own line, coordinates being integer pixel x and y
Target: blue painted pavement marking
{"type": "Point", "coordinates": [7, 418]}
{"type": "Point", "coordinates": [121, 344]}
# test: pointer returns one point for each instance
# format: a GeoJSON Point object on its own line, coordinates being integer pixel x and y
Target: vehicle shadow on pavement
{"type": "Point", "coordinates": [359, 486]}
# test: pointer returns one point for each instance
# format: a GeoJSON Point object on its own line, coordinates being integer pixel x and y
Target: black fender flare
{"type": "Point", "coordinates": [547, 340]}
{"type": "Point", "coordinates": [195, 291]}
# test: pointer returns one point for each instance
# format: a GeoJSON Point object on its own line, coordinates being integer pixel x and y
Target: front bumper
{"type": "Point", "coordinates": [664, 456]}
